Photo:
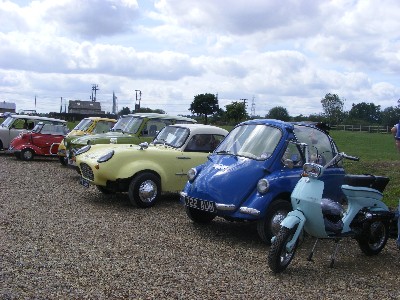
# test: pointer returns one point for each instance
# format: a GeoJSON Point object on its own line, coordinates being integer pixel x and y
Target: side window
{"type": "Point", "coordinates": [319, 145]}
{"type": "Point", "coordinates": [201, 143]}
{"type": "Point", "coordinates": [20, 124]}
{"type": "Point", "coordinates": [154, 126]}
{"type": "Point", "coordinates": [292, 154]}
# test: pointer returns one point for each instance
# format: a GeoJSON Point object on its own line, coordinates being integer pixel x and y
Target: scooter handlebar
{"type": "Point", "coordinates": [350, 157]}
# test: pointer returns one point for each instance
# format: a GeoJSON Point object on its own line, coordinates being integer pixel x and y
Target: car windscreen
{"type": "Point", "coordinates": [256, 141]}
{"type": "Point", "coordinates": [172, 136]}
{"type": "Point", "coordinates": [83, 125]}
{"type": "Point", "coordinates": [128, 124]}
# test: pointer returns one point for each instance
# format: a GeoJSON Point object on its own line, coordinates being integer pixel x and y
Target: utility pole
{"type": "Point", "coordinates": [138, 99]}
{"type": "Point", "coordinates": [95, 88]}
{"type": "Point", "coordinates": [253, 108]}
{"type": "Point", "coordinates": [244, 102]}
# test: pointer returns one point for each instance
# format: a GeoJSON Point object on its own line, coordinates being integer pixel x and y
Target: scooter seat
{"type": "Point", "coordinates": [374, 182]}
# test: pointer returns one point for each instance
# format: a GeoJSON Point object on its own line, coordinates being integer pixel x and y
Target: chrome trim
{"type": "Point", "coordinates": [249, 211]}
{"type": "Point", "coordinates": [225, 207]}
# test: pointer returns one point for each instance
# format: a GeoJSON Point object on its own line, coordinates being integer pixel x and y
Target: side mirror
{"type": "Point", "coordinates": [144, 145]}
{"type": "Point", "coordinates": [288, 163]}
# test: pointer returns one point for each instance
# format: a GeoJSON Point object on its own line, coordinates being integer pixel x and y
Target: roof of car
{"type": "Point", "coordinates": [101, 119]}
{"type": "Point", "coordinates": [161, 116]}
{"type": "Point", "coordinates": [201, 128]}
{"type": "Point", "coordinates": [36, 118]}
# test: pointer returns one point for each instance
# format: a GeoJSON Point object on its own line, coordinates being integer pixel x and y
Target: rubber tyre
{"type": "Point", "coordinates": [63, 160]}
{"type": "Point", "coordinates": [17, 155]}
{"type": "Point", "coordinates": [104, 190]}
{"type": "Point", "coordinates": [27, 154]}
{"type": "Point", "coordinates": [374, 238]}
{"type": "Point", "coordinates": [278, 258]}
{"type": "Point", "coordinates": [268, 226]}
{"type": "Point", "coordinates": [199, 216]}
{"type": "Point", "coordinates": [144, 190]}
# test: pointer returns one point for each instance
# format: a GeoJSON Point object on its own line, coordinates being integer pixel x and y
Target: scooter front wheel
{"type": "Point", "coordinates": [374, 237]}
{"type": "Point", "coordinates": [279, 258]}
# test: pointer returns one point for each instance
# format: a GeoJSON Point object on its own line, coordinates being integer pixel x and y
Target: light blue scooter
{"type": "Point", "coordinates": [366, 219]}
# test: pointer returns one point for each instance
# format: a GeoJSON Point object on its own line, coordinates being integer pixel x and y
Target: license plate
{"type": "Point", "coordinates": [200, 204]}
{"type": "Point", "coordinates": [84, 182]}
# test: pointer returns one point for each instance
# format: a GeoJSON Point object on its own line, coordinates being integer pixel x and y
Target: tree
{"type": "Point", "coordinates": [278, 113]}
{"type": "Point", "coordinates": [204, 104]}
{"type": "Point", "coordinates": [236, 111]}
{"type": "Point", "coordinates": [368, 113]}
{"type": "Point", "coordinates": [333, 108]}
{"type": "Point", "coordinates": [124, 111]}
{"type": "Point", "coordinates": [149, 110]}
{"type": "Point", "coordinates": [390, 115]}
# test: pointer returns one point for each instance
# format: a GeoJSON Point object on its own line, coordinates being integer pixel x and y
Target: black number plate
{"type": "Point", "coordinates": [201, 204]}
{"type": "Point", "coordinates": [84, 182]}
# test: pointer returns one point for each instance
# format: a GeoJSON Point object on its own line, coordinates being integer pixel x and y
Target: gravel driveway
{"type": "Point", "coordinates": [61, 240]}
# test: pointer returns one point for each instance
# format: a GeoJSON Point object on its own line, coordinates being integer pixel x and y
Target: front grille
{"type": "Point", "coordinates": [87, 171]}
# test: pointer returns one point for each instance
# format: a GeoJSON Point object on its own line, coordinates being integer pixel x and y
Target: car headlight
{"type": "Point", "coordinates": [83, 150]}
{"type": "Point", "coordinates": [191, 174]}
{"type": "Point", "coordinates": [106, 157]}
{"type": "Point", "coordinates": [263, 186]}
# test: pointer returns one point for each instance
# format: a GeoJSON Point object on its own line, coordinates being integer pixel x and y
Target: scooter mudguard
{"type": "Point", "coordinates": [291, 220]}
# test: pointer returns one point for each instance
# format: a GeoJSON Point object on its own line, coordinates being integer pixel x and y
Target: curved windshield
{"type": "Point", "coordinates": [83, 125]}
{"type": "Point", "coordinates": [7, 122]}
{"type": "Point", "coordinates": [172, 136]}
{"type": "Point", "coordinates": [128, 124]}
{"type": "Point", "coordinates": [103, 126]}
{"type": "Point", "coordinates": [252, 141]}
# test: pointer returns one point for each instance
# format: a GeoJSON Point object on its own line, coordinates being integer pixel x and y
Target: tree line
{"type": "Point", "coordinates": [205, 109]}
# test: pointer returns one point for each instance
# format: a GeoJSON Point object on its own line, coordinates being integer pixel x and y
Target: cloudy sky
{"type": "Point", "coordinates": [272, 53]}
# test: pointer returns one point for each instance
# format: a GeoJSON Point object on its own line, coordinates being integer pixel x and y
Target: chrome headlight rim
{"type": "Point", "coordinates": [191, 174]}
{"type": "Point", "coordinates": [263, 186]}
{"type": "Point", "coordinates": [106, 157]}
{"type": "Point", "coordinates": [82, 150]}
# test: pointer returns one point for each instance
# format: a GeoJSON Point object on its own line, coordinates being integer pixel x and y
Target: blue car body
{"type": "Point", "coordinates": [227, 184]}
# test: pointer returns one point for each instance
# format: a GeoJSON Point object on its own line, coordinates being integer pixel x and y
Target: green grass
{"type": "Point", "coordinates": [378, 156]}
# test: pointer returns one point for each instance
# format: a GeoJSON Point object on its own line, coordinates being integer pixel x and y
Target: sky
{"type": "Point", "coordinates": [270, 52]}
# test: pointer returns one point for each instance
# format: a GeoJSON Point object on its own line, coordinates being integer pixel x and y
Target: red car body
{"type": "Point", "coordinates": [43, 140]}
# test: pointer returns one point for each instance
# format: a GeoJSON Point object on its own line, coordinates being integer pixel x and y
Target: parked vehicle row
{"type": "Point", "coordinates": [248, 174]}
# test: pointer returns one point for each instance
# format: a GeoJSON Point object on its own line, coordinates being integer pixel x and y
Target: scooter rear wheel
{"type": "Point", "coordinates": [374, 238]}
{"type": "Point", "coordinates": [279, 258]}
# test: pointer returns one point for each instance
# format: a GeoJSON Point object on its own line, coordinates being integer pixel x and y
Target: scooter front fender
{"type": "Point", "coordinates": [292, 219]}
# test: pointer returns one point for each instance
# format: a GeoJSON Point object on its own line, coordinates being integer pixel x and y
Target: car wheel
{"type": "Point", "coordinates": [1, 145]}
{"type": "Point", "coordinates": [269, 226]}
{"type": "Point", "coordinates": [144, 190]}
{"type": "Point", "coordinates": [63, 160]}
{"type": "Point", "coordinates": [104, 190]}
{"type": "Point", "coordinates": [27, 154]}
{"type": "Point", "coordinates": [199, 216]}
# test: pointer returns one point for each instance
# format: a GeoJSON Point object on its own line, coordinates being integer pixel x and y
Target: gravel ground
{"type": "Point", "coordinates": [59, 240]}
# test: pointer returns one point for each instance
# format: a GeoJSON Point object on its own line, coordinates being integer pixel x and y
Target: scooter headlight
{"type": "Point", "coordinates": [263, 186]}
{"type": "Point", "coordinates": [312, 170]}
{"type": "Point", "coordinates": [191, 174]}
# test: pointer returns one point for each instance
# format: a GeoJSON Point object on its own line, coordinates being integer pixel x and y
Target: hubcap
{"type": "Point", "coordinates": [27, 155]}
{"type": "Point", "coordinates": [377, 235]}
{"type": "Point", "coordinates": [148, 191]}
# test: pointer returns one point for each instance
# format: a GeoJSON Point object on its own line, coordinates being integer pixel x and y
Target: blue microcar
{"type": "Point", "coordinates": [251, 174]}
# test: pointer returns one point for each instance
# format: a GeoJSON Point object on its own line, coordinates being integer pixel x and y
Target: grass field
{"type": "Point", "coordinates": [378, 156]}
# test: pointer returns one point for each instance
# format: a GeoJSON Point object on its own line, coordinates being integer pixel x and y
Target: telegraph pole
{"type": "Point", "coordinates": [95, 88]}
{"type": "Point", "coordinates": [138, 99]}
{"type": "Point", "coordinates": [253, 108]}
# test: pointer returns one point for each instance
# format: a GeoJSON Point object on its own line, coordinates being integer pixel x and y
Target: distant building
{"type": "Point", "coordinates": [7, 107]}
{"type": "Point", "coordinates": [84, 107]}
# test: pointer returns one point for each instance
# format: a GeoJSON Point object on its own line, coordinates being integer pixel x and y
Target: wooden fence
{"type": "Point", "coordinates": [363, 128]}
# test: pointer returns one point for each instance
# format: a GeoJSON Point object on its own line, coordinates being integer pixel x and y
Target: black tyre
{"type": "Point", "coordinates": [279, 258]}
{"type": "Point", "coordinates": [144, 190]}
{"type": "Point", "coordinates": [63, 160]}
{"type": "Point", "coordinates": [269, 226]}
{"type": "Point", "coordinates": [17, 155]}
{"type": "Point", "coordinates": [104, 190]}
{"type": "Point", "coordinates": [199, 216]}
{"type": "Point", "coordinates": [374, 238]}
{"type": "Point", "coordinates": [27, 154]}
